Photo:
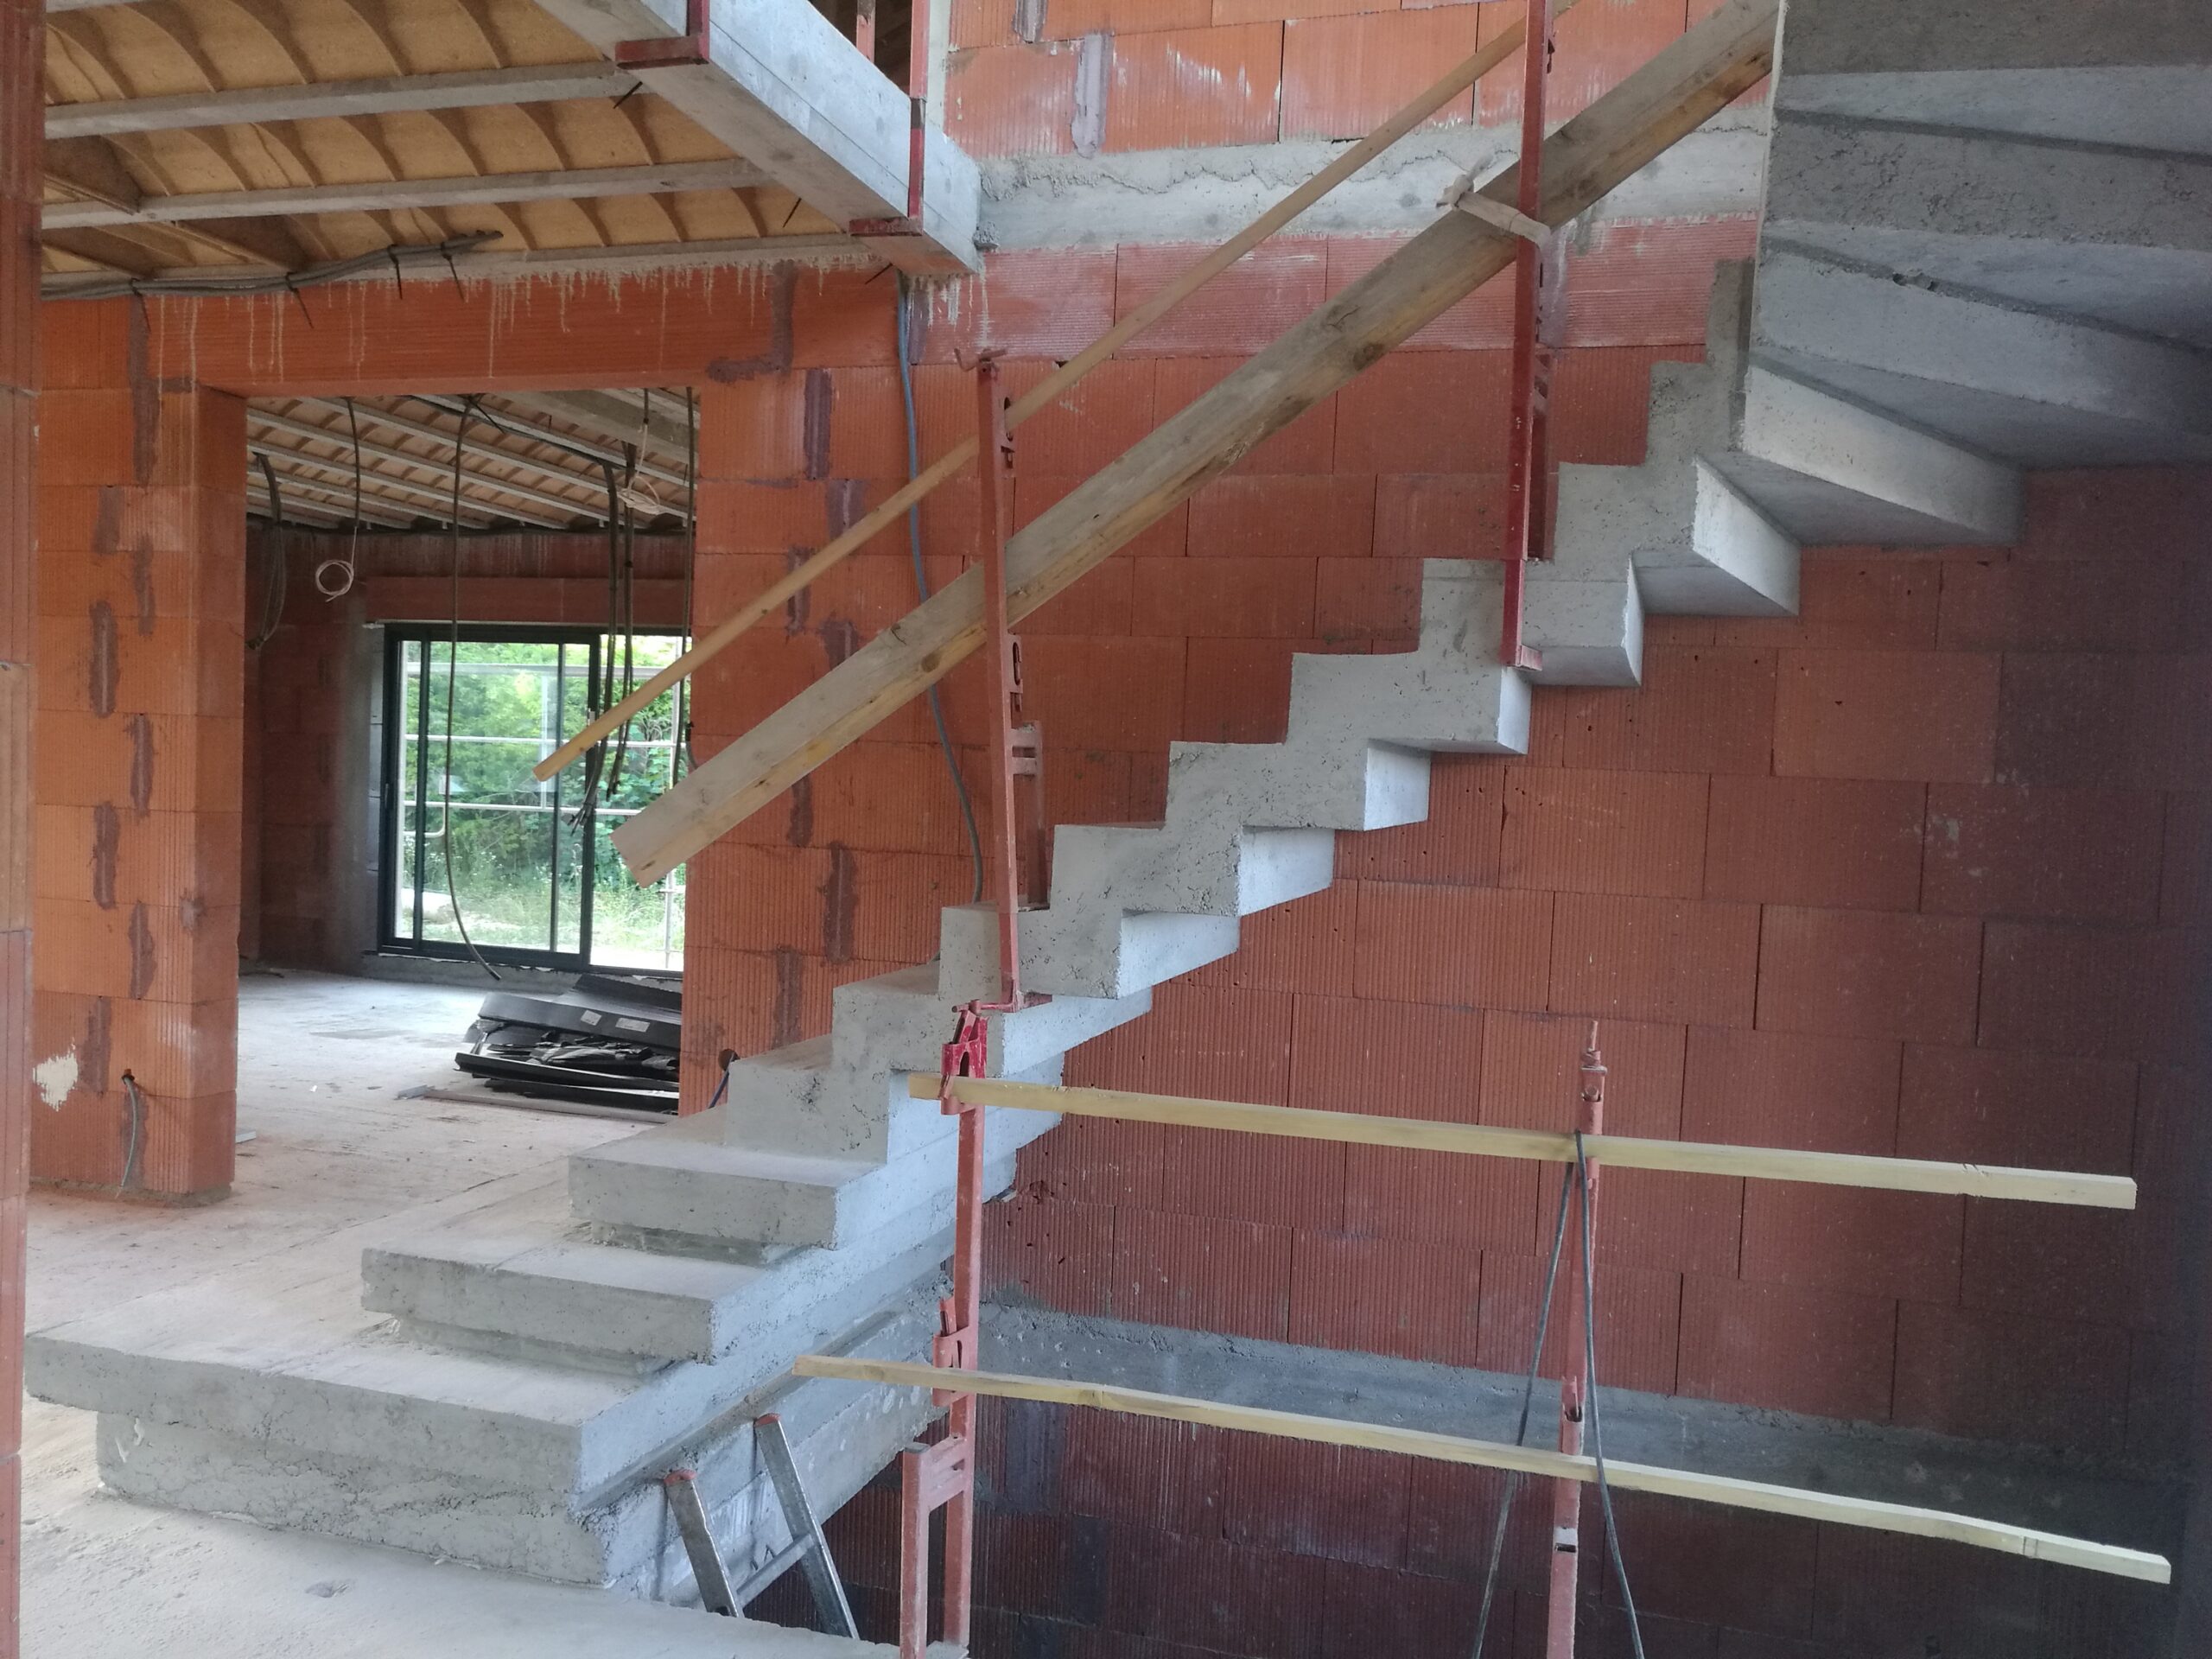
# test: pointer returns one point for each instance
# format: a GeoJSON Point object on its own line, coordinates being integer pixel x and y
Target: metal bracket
{"type": "Point", "coordinates": [807, 1548]}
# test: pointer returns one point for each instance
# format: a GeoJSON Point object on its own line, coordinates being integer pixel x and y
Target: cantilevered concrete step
{"type": "Point", "coordinates": [524, 1276]}
{"type": "Point", "coordinates": [621, 1536]}
{"type": "Point", "coordinates": [687, 1179]}
{"type": "Point", "coordinates": [2116, 236]}
{"type": "Point", "coordinates": [2029, 388]}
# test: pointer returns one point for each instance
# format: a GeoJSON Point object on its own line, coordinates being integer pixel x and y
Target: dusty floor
{"type": "Point", "coordinates": [322, 1062]}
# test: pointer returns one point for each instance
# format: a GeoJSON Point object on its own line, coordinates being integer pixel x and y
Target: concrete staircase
{"type": "Point", "coordinates": [517, 1370]}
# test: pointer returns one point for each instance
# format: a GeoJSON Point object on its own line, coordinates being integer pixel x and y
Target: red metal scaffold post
{"type": "Point", "coordinates": [1538, 312]}
{"type": "Point", "coordinates": [943, 1475]}
{"type": "Point", "coordinates": [1574, 1383]}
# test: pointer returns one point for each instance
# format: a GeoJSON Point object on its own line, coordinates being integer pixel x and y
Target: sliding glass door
{"type": "Point", "coordinates": [472, 842]}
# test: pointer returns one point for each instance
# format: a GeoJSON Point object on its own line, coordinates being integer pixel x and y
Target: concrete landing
{"type": "Point", "coordinates": [104, 1578]}
{"type": "Point", "coordinates": [322, 1063]}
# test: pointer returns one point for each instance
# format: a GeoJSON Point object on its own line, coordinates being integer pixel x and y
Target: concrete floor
{"type": "Point", "coordinates": [322, 1062]}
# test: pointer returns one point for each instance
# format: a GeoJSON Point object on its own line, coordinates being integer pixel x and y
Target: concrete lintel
{"type": "Point", "coordinates": [789, 94]}
{"type": "Point", "coordinates": [1206, 195]}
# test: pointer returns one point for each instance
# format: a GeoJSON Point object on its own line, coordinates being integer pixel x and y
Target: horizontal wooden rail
{"type": "Point", "coordinates": [1615, 1151]}
{"type": "Point", "coordinates": [1463, 75]}
{"type": "Point", "coordinates": [1827, 1507]}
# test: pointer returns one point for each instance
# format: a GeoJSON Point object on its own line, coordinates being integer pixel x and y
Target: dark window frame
{"type": "Point", "coordinates": [397, 636]}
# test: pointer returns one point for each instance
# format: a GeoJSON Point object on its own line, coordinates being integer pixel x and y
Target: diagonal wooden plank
{"type": "Point", "coordinates": [1673, 94]}
{"type": "Point", "coordinates": [1615, 1151]}
{"type": "Point", "coordinates": [1762, 1497]}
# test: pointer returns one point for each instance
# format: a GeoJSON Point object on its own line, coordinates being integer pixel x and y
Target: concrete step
{"type": "Point", "coordinates": [618, 1534]}
{"type": "Point", "coordinates": [687, 1180]}
{"type": "Point", "coordinates": [524, 1276]}
{"type": "Point", "coordinates": [1449, 694]}
{"type": "Point", "coordinates": [2114, 236]}
{"type": "Point", "coordinates": [1828, 470]}
{"type": "Point", "coordinates": [2028, 388]}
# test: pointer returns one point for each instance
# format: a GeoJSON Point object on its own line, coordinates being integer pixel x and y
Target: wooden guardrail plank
{"type": "Point", "coordinates": [1868, 1513]}
{"type": "Point", "coordinates": [1615, 1151]}
{"type": "Point", "coordinates": [1672, 95]}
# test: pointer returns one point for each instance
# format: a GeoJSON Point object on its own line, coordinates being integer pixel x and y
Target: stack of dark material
{"type": "Point", "coordinates": [607, 1042]}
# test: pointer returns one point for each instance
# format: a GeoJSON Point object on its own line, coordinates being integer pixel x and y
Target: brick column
{"type": "Point", "coordinates": [23, 98]}
{"type": "Point", "coordinates": [141, 559]}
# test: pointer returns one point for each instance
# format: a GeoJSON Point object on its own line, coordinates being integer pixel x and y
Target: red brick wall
{"type": "Point", "coordinates": [1159, 74]}
{"type": "Point", "coordinates": [1917, 873]}
{"type": "Point", "coordinates": [141, 505]}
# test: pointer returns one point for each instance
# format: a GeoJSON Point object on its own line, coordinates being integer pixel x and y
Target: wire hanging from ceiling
{"type": "Point", "coordinates": [277, 566]}
{"type": "Point", "coordinates": [338, 585]}
{"type": "Point", "coordinates": [452, 679]}
{"type": "Point", "coordinates": [922, 587]}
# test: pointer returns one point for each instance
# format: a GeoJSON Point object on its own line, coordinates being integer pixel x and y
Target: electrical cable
{"type": "Point", "coordinates": [1512, 1489]}
{"type": "Point", "coordinates": [1590, 1401]}
{"type": "Point", "coordinates": [452, 679]}
{"type": "Point", "coordinates": [274, 582]}
{"type": "Point", "coordinates": [137, 1133]}
{"type": "Point", "coordinates": [394, 255]}
{"type": "Point", "coordinates": [346, 567]}
{"type": "Point", "coordinates": [683, 732]}
{"type": "Point", "coordinates": [922, 587]}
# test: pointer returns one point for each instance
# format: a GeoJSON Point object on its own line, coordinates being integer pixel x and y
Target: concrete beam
{"type": "Point", "coordinates": [470, 477]}
{"type": "Point", "coordinates": [1203, 194]}
{"type": "Point", "coordinates": [2029, 389]}
{"type": "Point", "coordinates": [380, 195]}
{"type": "Point", "coordinates": [786, 91]}
{"type": "Point", "coordinates": [320, 101]}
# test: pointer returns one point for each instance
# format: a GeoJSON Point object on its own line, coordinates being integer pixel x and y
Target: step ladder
{"type": "Point", "coordinates": [807, 1547]}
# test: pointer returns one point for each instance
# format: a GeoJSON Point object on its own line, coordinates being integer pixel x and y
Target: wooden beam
{"type": "Point", "coordinates": [1614, 1151]}
{"type": "Point", "coordinates": [94, 171]}
{"type": "Point", "coordinates": [397, 423]}
{"type": "Point", "coordinates": [783, 87]}
{"type": "Point", "coordinates": [375, 508]}
{"type": "Point", "coordinates": [610, 416]}
{"type": "Point", "coordinates": [1673, 94]}
{"type": "Point", "coordinates": [1827, 1507]}
{"type": "Point", "coordinates": [322, 101]}
{"type": "Point", "coordinates": [395, 491]}
{"type": "Point", "coordinates": [887, 513]}
{"type": "Point", "coordinates": [344, 440]}
{"type": "Point", "coordinates": [381, 195]}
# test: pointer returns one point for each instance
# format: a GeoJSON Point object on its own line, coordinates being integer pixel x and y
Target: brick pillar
{"type": "Point", "coordinates": [23, 98]}
{"type": "Point", "coordinates": [141, 559]}
{"type": "Point", "coordinates": [762, 506]}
